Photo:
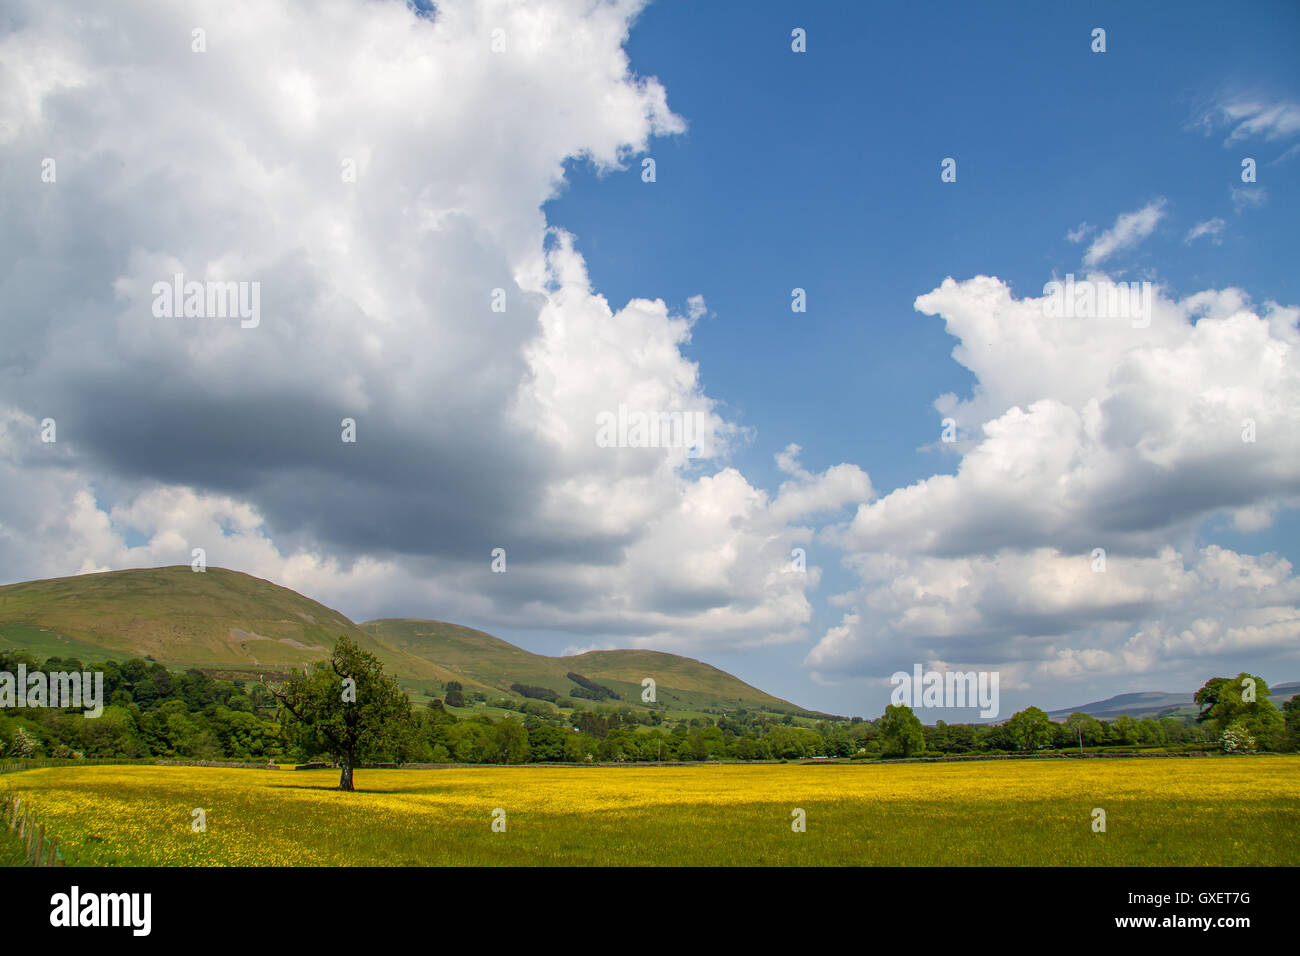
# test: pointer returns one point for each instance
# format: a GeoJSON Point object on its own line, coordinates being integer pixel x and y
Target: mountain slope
{"type": "Point", "coordinates": [233, 622]}
{"type": "Point", "coordinates": [217, 618]}
{"type": "Point", "coordinates": [681, 682]}
{"type": "Point", "coordinates": [679, 674]}
{"type": "Point", "coordinates": [176, 614]}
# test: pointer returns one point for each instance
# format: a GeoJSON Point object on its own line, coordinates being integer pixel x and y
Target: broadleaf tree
{"type": "Point", "coordinates": [347, 707]}
{"type": "Point", "coordinates": [1241, 704]}
{"type": "Point", "coordinates": [900, 732]}
{"type": "Point", "coordinates": [1031, 729]}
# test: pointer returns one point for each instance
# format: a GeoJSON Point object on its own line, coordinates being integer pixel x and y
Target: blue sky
{"type": "Point", "coordinates": [454, 247]}
{"type": "Point", "coordinates": [821, 171]}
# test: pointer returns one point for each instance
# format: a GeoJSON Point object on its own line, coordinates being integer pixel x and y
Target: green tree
{"type": "Point", "coordinates": [1173, 729]}
{"type": "Point", "coordinates": [546, 743]}
{"type": "Point", "coordinates": [1241, 703]}
{"type": "Point", "coordinates": [900, 732]}
{"type": "Point", "coordinates": [510, 742]}
{"type": "Point", "coordinates": [1031, 729]}
{"type": "Point", "coordinates": [1085, 728]}
{"type": "Point", "coordinates": [1127, 729]}
{"type": "Point", "coordinates": [1152, 732]}
{"type": "Point", "coordinates": [348, 708]}
{"type": "Point", "coordinates": [1291, 719]}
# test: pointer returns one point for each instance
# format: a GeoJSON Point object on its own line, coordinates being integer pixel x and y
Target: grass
{"type": "Point", "coordinates": [13, 852]}
{"type": "Point", "coordinates": [1210, 811]}
{"type": "Point", "coordinates": [44, 643]}
{"type": "Point", "coordinates": [176, 615]}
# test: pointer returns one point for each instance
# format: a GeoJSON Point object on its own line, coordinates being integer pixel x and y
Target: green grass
{"type": "Point", "coordinates": [13, 851]}
{"type": "Point", "coordinates": [176, 614]}
{"type": "Point", "coordinates": [1176, 812]}
{"type": "Point", "coordinates": [44, 643]}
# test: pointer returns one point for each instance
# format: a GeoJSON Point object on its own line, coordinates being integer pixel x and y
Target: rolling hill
{"type": "Point", "coordinates": [231, 623]}
{"type": "Point", "coordinates": [681, 682]}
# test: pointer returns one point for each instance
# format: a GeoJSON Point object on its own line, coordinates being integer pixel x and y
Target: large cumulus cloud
{"type": "Point", "coordinates": [1087, 438]}
{"type": "Point", "coordinates": [475, 425]}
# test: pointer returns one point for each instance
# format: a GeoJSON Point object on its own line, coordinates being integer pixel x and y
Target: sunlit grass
{"type": "Point", "coordinates": [1184, 812]}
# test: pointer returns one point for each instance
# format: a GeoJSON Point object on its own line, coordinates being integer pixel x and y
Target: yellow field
{"type": "Point", "coordinates": [1201, 811]}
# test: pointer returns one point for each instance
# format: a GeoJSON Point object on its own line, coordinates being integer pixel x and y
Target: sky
{"type": "Point", "coordinates": [457, 245]}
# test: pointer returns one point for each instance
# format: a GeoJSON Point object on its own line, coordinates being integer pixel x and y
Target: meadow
{"type": "Point", "coordinates": [1180, 812]}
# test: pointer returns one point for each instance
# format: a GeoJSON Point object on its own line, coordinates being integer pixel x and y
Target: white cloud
{"type": "Point", "coordinates": [1209, 227]}
{"type": "Point", "coordinates": [476, 427]}
{"type": "Point", "coordinates": [1250, 117]}
{"type": "Point", "coordinates": [1048, 613]}
{"type": "Point", "coordinates": [1248, 197]}
{"type": "Point", "coordinates": [1129, 230]}
{"type": "Point", "coordinates": [1092, 434]}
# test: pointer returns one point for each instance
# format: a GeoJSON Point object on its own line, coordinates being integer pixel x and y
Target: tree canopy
{"type": "Point", "coordinates": [900, 732]}
{"type": "Point", "coordinates": [1239, 711]}
{"type": "Point", "coordinates": [349, 708]}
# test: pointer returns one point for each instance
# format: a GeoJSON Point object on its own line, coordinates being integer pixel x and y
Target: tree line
{"type": "Point", "coordinates": [348, 711]}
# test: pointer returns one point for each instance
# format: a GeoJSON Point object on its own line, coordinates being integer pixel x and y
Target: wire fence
{"type": "Point", "coordinates": [41, 850]}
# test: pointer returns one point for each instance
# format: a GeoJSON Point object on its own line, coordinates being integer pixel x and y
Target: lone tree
{"type": "Point", "coordinates": [348, 708]}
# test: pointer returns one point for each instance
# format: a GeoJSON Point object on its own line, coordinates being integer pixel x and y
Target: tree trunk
{"type": "Point", "coordinates": [345, 781]}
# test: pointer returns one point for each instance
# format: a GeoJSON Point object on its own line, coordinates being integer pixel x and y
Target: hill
{"type": "Point", "coordinates": [231, 623]}
{"type": "Point", "coordinates": [681, 682]}
{"type": "Point", "coordinates": [219, 620]}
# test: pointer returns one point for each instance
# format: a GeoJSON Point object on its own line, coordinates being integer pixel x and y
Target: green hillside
{"type": "Point", "coordinates": [681, 683]}
{"type": "Point", "coordinates": [475, 657]}
{"type": "Point", "coordinates": [217, 619]}
{"type": "Point", "coordinates": [677, 678]}
{"type": "Point", "coordinates": [232, 623]}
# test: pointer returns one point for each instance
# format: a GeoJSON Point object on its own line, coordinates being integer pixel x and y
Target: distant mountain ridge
{"type": "Point", "coordinates": [1143, 704]}
{"type": "Point", "coordinates": [235, 623]}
